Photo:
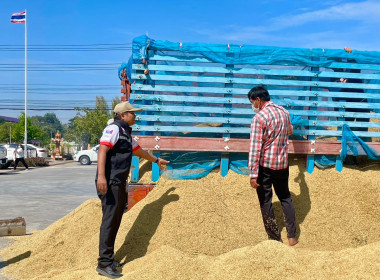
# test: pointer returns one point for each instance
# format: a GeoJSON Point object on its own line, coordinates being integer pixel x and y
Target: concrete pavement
{"type": "Point", "coordinates": [43, 195]}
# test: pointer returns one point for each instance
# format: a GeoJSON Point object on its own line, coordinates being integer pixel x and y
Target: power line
{"type": "Point", "coordinates": [43, 67]}
{"type": "Point", "coordinates": [46, 109]}
{"type": "Point", "coordinates": [61, 47]}
{"type": "Point", "coordinates": [58, 85]}
{"type": "Point", "coordinates": [65, 49]}
{"type": "Point", "coordinates": [58, 64]}
{"type": "Point", "coordinates": [59, 70]}
{"type": "Point", "coordinates": [58, 89]}
{"type": "Point", "coordinates": [65, 45]}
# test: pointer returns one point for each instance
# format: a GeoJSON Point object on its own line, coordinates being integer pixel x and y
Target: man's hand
{"type": "Point", "coordinates": [162, 163]}
{"type": "Point", "coordinates": [348, 49]}
{"type": "Point", "coordinates": [254, 183]}
{"type": "Point", "coordinates": [144, 154]}
{"type": "Point", "coordinates": [102, 184]}
{"type": "Point", "coordinates": [343, 80]}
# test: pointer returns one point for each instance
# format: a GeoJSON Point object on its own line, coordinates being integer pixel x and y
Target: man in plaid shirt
{"type": "Point", "coordinates": [268, 161]}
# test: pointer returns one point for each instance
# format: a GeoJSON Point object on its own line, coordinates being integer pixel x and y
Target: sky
{"type": "Point", "coordinates": [76, 47]}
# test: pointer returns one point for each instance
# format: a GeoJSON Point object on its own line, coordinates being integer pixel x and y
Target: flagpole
{"type": "Point", "coordinates": [26, 133]}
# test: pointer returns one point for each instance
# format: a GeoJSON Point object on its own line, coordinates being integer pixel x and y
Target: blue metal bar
{"type": "Point", "coordinates": [135, 160]}
{"type": "Point", "coordinates": [310, 164]}
{"type": "Point", "coordinates": [310, 157]}
{"type": "Point", "coordinates": [338, 164]}
{"type": "Point", "coordinates": [155, 169]}
{"type": "Point", "coordinates": [135, 169]}
{"type": "Point", "coordinates": [224, 161]}
{"type": "Point", "coordinates": [157, 123]}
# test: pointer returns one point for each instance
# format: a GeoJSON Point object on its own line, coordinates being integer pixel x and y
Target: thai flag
{"type": "Point", "coordinates": [19, 17]}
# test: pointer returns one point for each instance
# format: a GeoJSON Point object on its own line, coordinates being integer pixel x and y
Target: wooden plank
{"type": "Point", "coordinates": [344, 65]}
{"type": "Point", "coordinates": [172, 143]}
{"type": "Point", "coordinates": [243, 111]}
{"type": "Point", "coordinates": [180, 58]}
{"type": "Point", "coordinates": [201, 59]}
{"type": "Point", "coordinates": [361, 76]}
{"type": "Point", "coordinates": [228, 70]}
{"type": "Point", "coordinates": [256, 71]}
{"type": "Point", "coordinates": [243, 91]}
{"type": "Point", "coordinates": [242, 130]}
{"type": "Point", "coordinates": [15, 226]}
{"type": "Point", "coordinates": [247, 121]}
{"type": "Point", "coordinates": [313, 102]}
{"type": "Point", "coordinates": [250, 81]}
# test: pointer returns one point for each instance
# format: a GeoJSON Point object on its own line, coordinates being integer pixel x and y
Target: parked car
{"type": "Point", "coordinates": [10, 151]}
{"type": "Point", "coordinates": [85, 157]}
{"type": "Point", "coordinates": [41, 152]}
{"type": "Point", "coordinates": [3, 157]}
{"type": "Point", "coordinates": [32, 152]}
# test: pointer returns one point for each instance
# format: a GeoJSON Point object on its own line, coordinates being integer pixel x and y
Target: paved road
{"type": "Point", "coordinates": [44, 195]}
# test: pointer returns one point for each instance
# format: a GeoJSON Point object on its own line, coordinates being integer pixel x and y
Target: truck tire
{"type": "Point", "coordinates": [85, 160]}
{"type": "Point", "coordinates": [6, 165]}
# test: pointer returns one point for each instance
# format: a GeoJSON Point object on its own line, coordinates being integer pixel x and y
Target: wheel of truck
{"type": "Point", "coordinates": [85, 160]}
{"type": "Point", "coordinates": [6, 165]}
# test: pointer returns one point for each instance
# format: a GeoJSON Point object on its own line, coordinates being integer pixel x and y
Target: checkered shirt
{"type": "Point", "coordinates": [269, 139]}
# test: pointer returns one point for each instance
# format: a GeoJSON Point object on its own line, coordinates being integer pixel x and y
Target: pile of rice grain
{"type": "Point", "coordinates": [211, 228]}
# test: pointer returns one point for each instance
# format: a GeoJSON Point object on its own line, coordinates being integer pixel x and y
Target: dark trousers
{"type": "Point", "coordinates": [22, 160]}
{"type": "Point", "coordinates": [113, 205]}
{"type": "Point", "coordinates": [279, 179]}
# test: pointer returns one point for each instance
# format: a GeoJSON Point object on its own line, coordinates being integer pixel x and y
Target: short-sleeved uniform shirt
{"type": "Point", "coordinates": [117, 136]}
{"type": "Point", "coordinates": [111, 135]}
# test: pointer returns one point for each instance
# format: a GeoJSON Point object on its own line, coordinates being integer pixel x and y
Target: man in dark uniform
{"type": "Point", "coordinates": [114, 162]}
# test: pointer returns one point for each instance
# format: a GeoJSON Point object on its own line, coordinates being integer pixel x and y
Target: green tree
{"type": "Point", "coordinates": [49, 125]}
{"type": "Point", "coordinates": [87, 125]}
{"type": "Point", "coordinates": [18, 130]}
{"type": "Point", "coordinates": [5, 132]}
{"type": "Point", "coordinates": [115, 101]}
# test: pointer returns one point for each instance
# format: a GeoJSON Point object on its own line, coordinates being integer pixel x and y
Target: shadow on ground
{"type": "Point", "coordinates": [137, 240]}
{"type": "Point", "coordinates": [15, 259]}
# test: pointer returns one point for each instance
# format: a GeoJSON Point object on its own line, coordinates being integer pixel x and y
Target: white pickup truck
{"type": "Point", "coordinates": [3, 157]}
{"type": "Point", "coordinates": [85, 157]}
